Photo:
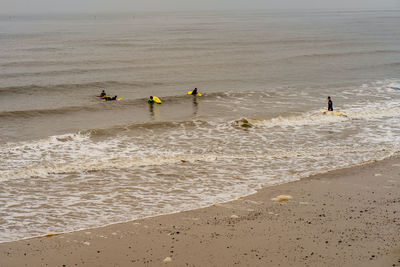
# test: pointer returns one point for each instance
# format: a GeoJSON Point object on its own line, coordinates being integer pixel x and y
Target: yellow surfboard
{"type": "Point", "coordinates": [336, 113]}
{"type": "Point", "coordinates": [190, 92]}
{"type": "Point", "coordinates": [157, 100]}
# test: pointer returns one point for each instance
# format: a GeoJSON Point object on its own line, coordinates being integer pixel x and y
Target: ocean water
{"type": "Point", "coordinates": [70, 161]}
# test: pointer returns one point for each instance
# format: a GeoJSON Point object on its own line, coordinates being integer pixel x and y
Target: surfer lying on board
{"type": "Point", "coordinates": [330, 104]}
{"type": "Point", "coordinates": [107, 98]}
{"type": "Point", "coordinates": [103, 93]}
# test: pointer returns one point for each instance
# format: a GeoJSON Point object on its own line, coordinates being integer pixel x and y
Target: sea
{"type": "Point", "coordinates": [70, 161]}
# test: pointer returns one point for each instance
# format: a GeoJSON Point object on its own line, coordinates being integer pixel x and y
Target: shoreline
{"type": "Point", "coordinates": [201, 207]}
{"type": "Point", "coordinates": [252, 230]}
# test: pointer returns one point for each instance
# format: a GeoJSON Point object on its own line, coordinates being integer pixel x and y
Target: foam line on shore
{"type": "Point", "coordinates": [239, 197]}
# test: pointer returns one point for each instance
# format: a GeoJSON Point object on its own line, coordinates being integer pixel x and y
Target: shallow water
{"type": "Point", "coordinates": [70, 161]}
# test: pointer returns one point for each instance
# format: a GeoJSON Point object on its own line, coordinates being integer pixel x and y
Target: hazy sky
{"type": "Point", "coordinates": [95, 6]}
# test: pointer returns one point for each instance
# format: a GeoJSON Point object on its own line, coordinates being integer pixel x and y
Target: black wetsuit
{"type": "Point", "coordinates": [330, 105]}
{"type": "Point", "coordinates": [194, 92]}
{"type": "Point", "coordinates": [110, 98]}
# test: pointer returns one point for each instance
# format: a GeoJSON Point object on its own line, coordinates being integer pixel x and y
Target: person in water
{"type": "Point", "coordinates": [103, 93]}
{"type": "Point", "coordinates": [330, 104]}
{"type": "Point", "coordinates": [110, 98]}
{"type": "Point", "coordinates": [151, 100]}
{"type": "Point", "coordinates": [194, 92]}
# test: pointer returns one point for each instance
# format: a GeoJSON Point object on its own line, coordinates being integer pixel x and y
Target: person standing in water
{"type": "Point", "coordinates": [330, 104]}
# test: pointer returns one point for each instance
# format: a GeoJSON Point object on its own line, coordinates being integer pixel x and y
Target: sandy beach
{"type": "Point", "coordinates": [347, 217]}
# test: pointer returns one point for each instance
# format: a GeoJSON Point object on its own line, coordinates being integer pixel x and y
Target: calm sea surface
{"type": "Point", "coordinates": [70, 161]}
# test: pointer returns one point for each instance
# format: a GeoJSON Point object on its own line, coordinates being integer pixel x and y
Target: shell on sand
{"type": "Point", "coordinates": [282, 198]}
{"type": "Point", "coordinates": [167, 259]}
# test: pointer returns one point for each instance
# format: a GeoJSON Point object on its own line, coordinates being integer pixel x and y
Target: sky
{"type": "Point", "coordinates": [102, 6]}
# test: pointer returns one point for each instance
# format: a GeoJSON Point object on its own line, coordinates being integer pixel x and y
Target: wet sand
{"type": "Point", "coordinates": [347, 217]}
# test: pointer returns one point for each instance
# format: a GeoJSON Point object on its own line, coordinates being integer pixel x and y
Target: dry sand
{"type": "Point", "coordinates": [348, 217]}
